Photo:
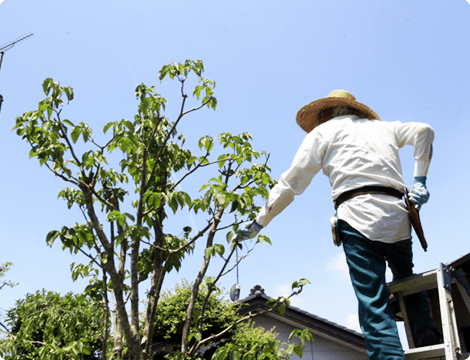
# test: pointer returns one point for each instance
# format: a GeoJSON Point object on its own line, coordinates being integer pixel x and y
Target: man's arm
{"type": "Point", "coordinates": [421, 136]}
{"type": "Point", "coordinates": [306, 164]}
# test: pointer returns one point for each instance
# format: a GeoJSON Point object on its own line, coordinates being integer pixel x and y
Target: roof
{"type": "Point", "coordinates": [462, 262]}
{"type": "Point", "coordinates": [256, 302]}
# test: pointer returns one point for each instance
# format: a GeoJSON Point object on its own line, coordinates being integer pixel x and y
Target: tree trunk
{"type": "Point", "coordinates": [135, 289]}
{"type": "Point", "coordinates": [133, 342]}
{"type": "Point", "coordinates": [104, 347]}
{"type": "Point", "coordinates": [158, 274]}
{"type": "Point", "coordinates": [117, 332]}
{"type": "Point", "coordinates": [197, 283]}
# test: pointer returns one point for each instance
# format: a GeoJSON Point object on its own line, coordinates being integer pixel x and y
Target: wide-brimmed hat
{"type": "Point", "coordinates": [308, 116]}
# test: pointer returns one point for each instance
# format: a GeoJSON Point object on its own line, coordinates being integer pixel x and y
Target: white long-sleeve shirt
{"type": "Point", "coordinates": [354, 153]}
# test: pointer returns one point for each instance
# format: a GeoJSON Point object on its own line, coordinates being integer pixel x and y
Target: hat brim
{"type": "Point", "coordinates": [307, 116]}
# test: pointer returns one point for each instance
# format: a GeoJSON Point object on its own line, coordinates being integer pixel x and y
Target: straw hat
{"type": "Point", "coordinates": [308, 116]}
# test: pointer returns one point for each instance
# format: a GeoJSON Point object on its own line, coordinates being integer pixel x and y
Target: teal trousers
{"type": "Point", "coordinates": [367, 262]}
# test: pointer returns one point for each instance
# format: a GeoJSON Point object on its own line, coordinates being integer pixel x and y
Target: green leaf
{"type": "Point", "coordinates": [263, 238]}
{"type": "Point", "coordinates": [52, 236]}
{"type": "Point", "coordinates": [107, 126]}
{"type": "Point", "coordinates": [282, 309]}
{"type": "Point", "coordinates": [290, 348]}
{"type": "Point", "coordinates": [113, 215]}
{"type": "Point", "coordinates": [219, 249]}
{"type": "Point", "coordinates": [191, 160]}
{"type": "Point", "coordinates": [210, 251]}
{"type": "Point", "coordinates": [298, 351]}
{"type": "Point", "coordinates": [220, 198]}
{"type": "Point", "coordinates": [221, 353]}
{"type": "Point", "coordinates": [173, 204]}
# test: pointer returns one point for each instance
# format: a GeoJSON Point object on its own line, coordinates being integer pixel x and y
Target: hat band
{"type": "Point", "coordinates": [332, 112]}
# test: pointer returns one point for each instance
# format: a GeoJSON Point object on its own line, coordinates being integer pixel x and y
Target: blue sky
{"type": "Point", "coordinates": [407, 60]}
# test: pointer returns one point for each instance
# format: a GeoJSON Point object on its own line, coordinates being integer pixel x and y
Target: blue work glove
{"type": "Point", "coordinates": [418, 193]}
{"type": "Point", "coordinates": [249, 230]}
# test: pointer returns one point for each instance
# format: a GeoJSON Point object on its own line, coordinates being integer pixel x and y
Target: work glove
{"type": "Point", "coordinates": [418, 193]}
{"type": "Point", "coordinates": [249, 230]}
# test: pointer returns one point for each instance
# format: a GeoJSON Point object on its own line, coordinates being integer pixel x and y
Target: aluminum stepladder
{"type": "Point", "coordinates": [440, 279]}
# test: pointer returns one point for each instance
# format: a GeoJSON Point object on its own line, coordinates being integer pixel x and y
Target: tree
{"type": "Point", "coordinates": [126, 207]}
{"type": "Point", "coordinates": [49, 326]}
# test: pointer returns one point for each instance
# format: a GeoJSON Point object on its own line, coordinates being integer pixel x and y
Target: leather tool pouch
{"type": "Point", "coordinates": [335, 230]}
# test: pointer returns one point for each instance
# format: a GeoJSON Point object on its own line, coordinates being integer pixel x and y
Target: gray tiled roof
{"type": "Point", "coordinates": [256, 302]}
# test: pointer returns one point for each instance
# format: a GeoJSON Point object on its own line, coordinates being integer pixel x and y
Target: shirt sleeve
{"type": "Point", "coordinates": [421, 136]}
{"type": "Point", "coordinates": [306, 164]}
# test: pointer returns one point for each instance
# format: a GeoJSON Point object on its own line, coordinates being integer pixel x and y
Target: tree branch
{"type": "Point", "coordinates": [197, 282]}
{"type": "Point", "coordinates": [64, 136]}
{"type": "Point", "coordinates": [74, 181]}
{"type": "Point", "coordinates": [239, 321]}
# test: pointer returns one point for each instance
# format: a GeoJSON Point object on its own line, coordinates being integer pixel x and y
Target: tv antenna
{"type": "Point", "coordinates": [8, 46]}
{"type": "Point", "coordinates": [4, 49]}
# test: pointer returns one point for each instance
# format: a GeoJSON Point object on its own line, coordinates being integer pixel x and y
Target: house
{"type": "Point", "coordinates": [330, 341]}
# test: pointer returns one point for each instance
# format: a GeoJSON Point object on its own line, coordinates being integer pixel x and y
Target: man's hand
{"type": "Point", "coordinates": [418, 193]}
{"type": "Point", "coordinates": [249, 230]}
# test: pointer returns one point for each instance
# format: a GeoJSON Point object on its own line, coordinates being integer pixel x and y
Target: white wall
{"type": "Point", "coordinates": [319, 349]}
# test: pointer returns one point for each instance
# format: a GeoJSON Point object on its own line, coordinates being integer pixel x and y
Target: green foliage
{"type": "Point", "coordinates": [255, 343]}
{"type": "Point", "coordinates": [244, 341]}
{"type": "Point", "coordinates": [303, 336]}
{"type": "Point", "coordinates": [49, 326]}
{"type": "Point", "coordinates": [250, 342]}
{"type": "Point", "coordinates": [171, 313]}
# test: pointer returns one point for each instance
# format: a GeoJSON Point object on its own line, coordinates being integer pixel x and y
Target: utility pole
{"type": "Point", "coordinates": [5, 48]}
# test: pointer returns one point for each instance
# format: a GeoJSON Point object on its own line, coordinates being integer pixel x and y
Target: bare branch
{"type": "Point", "coordinates": [93, 259]}
{"type": "Point", "coordinates": [100, 198]}
{"type": "Point", "coordinates": [183, 247]}
{"type": "Point", "coordinates": [73, 181]}
{"type": "Point", "coordinates": [239, 260]}
{"type": "Point", "coordinates": [197, 282]}
{"type": "Point", "coordinates": [197, 167]}
{"type": "Point", "coordinates": [198, 107]}
{"type": "Point", "coordinates": [66, 138]}
{"type": "Point", "coordinates": [239, 321]}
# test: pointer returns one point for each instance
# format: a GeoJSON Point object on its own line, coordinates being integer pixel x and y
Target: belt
{"type": "Point", "coordinates": [382, 190]}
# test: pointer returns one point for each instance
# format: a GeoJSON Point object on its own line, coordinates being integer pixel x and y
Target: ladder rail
{"type": "Point", "coordinates": [406, 320]}
{"type": "Point", "coordinates": [440, 279]}
{"type": "Point", "coordinates": [446, 304]}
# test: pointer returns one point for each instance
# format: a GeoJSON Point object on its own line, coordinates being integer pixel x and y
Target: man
{"type": "Point", "coordinates": [359, 154]}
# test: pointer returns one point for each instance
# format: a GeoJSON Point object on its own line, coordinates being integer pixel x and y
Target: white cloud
{"type": "Point", "coordinates": [338, 264]}
{"type": "Point", "coordinates": [352, 322]}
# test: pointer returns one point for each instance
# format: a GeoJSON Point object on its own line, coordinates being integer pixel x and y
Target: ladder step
{"type": "Point", "coordinates": [414, 283]}
{"type": "Point", "coordinates": [426, 352]}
